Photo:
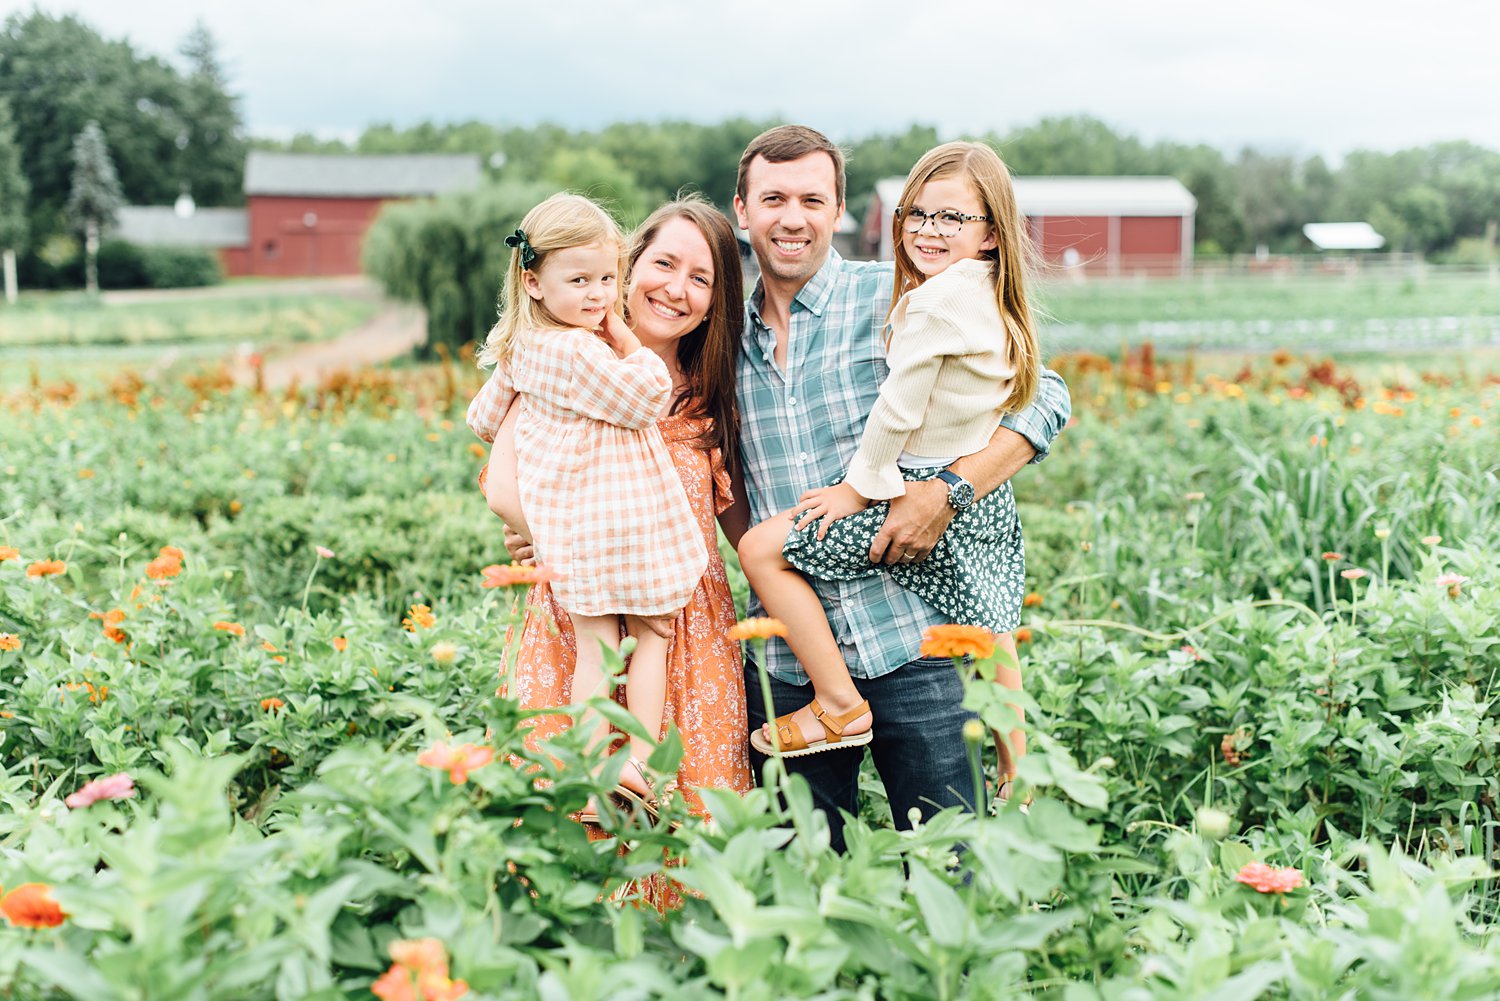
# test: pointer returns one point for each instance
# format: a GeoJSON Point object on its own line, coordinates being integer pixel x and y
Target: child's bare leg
{"type": "Point", "coordinates": [645, 692]}
{"type": "Point", "coordinates": [1012, 746]}
{"type": "Point", "coordinates": [788, 596]}
{"type": "Point", "coordinates": [588, 668]}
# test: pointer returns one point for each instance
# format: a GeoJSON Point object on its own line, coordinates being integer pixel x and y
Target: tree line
{"type": "Point", "coordinates": [171, 128]}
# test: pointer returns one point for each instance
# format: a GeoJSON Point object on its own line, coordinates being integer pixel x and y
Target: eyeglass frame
{"type": "Point", "coordinates": [931, 217]}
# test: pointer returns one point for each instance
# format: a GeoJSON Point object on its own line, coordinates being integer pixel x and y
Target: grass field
{"type": "Point", "coordinates": [70, 337]}
{"type": "Point", "coordinates": [1338, 314]}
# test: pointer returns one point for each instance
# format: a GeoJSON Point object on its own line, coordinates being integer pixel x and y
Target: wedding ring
{"type": "Point", "coordinates": [909, 557]}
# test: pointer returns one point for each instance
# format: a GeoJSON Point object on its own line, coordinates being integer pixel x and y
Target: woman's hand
{"type": "Point", "coordinates": [520, 548]}
{"type": "Point", "coordinates": [828, 503]}
{"type": "Point", "coordinates": [618, 336]}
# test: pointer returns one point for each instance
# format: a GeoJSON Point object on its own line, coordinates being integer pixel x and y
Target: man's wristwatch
{"type": "Point", "coordinates": [960, 490]}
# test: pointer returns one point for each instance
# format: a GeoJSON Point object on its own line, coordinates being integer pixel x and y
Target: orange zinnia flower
{"type": "Point", "coordinates": [163, 567]}
{"type": "Point", "coordinates": [271, 705]}
{"type": "Point", "coordinates": [1333, 557]}
{"type": "Point", "coordinates": [340, 644]}
{"type": "Point", "coordinates": [757, 629]}
{"type": "Point", "coordinates": [112, 620]}
{"type": "Point", "coordinates": [1032, 600]}
{"type": "Point", "coordinates": [232, 628]}
{"type": "Point", "coordinates": [419, 973]}
{"type": "Point", "coordinates": [958, 641]}
{"type": "Point", "coordinates": [10, 641]}
{"type": "Point", "coordinates": [9, 553]}
{"type": "Point", "coordinates": [1268, 879]}
{"type": "Point", "coordinates": [515, 575]}
{"type": "Point", "coordinates": [420, 617]}
{"type": "Point", "coordinates": [457, 761]}
{"type": "Point", "coordinates": [30, 905]}
{"type": "Point", "coordinates": [1023, 635]}
{"type": "Point", "coordinates": [46, 568]}
{"type": "Point", "coordinates": [173, 552]}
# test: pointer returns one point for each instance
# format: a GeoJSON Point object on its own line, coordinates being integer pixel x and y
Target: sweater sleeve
{"type": "Point", "coordinates": [489, 406]}
{"type": "Point", "coordinates": [627, 392]}
{"type": "Point", "coordinates": [920, 340]}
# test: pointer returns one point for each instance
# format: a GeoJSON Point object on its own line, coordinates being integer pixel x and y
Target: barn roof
{"type": "Point", "coordinates": [1343, 236]}
{"type": "Point", "coordinates": [1086, 196]}
{"type": "Point", "coordinates": [325, 176]}
{"type": "Point", "coordinates": [161, 226]}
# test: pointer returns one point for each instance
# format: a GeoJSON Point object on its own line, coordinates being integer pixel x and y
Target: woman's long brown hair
{"type": "Point", "coordinates": [708, 353]}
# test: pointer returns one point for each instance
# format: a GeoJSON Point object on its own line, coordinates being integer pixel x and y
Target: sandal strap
{"type": "Point", "coordinates": [835, 725]}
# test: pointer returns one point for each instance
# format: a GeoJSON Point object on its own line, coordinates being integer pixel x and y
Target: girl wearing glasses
{"type": "Point", "coordinates": [962, 352]}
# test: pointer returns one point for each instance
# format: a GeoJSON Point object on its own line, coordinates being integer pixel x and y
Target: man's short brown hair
{"type": "Point", "coordinates": [785, 143]}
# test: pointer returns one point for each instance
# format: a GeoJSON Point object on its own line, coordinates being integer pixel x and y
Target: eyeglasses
{"type": "Point", "coordinates": [944, 223]}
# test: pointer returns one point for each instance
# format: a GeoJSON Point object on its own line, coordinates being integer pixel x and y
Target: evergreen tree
{"type": "Point", "coordinates": [211, 147]}
{"type": "Point", "coordinates": [96, 198]}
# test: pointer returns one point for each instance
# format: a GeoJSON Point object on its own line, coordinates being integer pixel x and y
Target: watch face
{"type": "Point", "coordinates": [961, 495]}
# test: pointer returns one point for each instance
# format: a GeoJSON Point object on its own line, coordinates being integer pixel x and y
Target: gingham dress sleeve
{"type": "Point", "coordinates": [489, 406]}
{"type": "Point", "coordinates": [627, 392]}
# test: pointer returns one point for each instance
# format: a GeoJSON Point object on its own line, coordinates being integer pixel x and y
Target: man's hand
{"type": "Point", "coordinates": [916, 521]}
{"type": "Point", "coordinates": [519, 547]}
{"type": "Point", "coordinates": [828, 503]}
{"type": "Point", "coordinates": [661, 625]}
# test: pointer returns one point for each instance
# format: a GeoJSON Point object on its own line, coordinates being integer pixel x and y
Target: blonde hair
{"type": "Point", "coordinates": [562, 221]}
{"type": "Point", "coordinates": [1010, 261]}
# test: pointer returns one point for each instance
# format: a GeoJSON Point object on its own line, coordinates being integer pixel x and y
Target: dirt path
{"type": "Point", "coordinates": [390, 333]}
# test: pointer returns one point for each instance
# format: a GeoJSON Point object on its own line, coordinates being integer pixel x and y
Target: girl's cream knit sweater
{"type": "Point", "coordinates": [950, 375]}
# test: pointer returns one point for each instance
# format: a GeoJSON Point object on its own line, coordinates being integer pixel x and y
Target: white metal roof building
{"type": "Point", "coordinates": [311, 175]}
{"type": "Point", "coordinates": [1343, 236]}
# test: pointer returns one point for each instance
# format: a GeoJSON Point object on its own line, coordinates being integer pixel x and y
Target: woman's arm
{"type": "Point", "coordinates": [500, 481]}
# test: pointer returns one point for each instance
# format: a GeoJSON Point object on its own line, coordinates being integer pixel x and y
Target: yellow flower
{"type": "Point", "coordinates": [420, 617]}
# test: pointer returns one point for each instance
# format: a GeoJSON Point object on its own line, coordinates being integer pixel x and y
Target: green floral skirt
{"type": "Point", "coordinates": [975, 576]}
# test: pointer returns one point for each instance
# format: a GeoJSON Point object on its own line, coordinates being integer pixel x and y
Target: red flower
{"type": "Point", "coordinates": [1268, 879]}
{"type": "Point", "coordinates": [30, 905]}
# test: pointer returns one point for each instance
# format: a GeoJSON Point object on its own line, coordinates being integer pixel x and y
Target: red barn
{"type": "Point", "coordinates": [1100, 225]}
{"type": "Point", "coordinates": [305, 214]}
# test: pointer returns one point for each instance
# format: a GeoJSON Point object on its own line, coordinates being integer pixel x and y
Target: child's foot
{"type": "Point", "coordinates": [818, 727]}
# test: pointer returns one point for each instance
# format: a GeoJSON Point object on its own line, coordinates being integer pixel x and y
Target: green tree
{"type": "Point", "coordinates": [593, 172]}
{"type": "Point", "coordinates": [96, 198]}
{"type": "Point", "coordinates": [449, 254]}
{"type": "Point", "coordinates": [1076, 144]}
{"type": "Point", "coordinates": [1268, 197]}
{"type": "Point", "coordinates": [13, 187]}
{"type": "Point", "coordinates": [211, 148]}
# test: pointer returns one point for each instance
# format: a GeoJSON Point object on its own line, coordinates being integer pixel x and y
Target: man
{"type": "Point", "coordinates": [809, 374]}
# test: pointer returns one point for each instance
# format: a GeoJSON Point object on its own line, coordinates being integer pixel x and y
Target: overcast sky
{"type": "Point", "coordinates": [1292, 76]}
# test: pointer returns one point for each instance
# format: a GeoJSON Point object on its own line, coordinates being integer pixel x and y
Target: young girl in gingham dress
{"type": "Point", "coordinates": [606, 508]}
{"type": "Point", "coordinates": [962, 352]}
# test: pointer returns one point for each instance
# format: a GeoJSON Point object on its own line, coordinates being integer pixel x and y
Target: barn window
{"type": "Point", "coordinates": [271, 250]}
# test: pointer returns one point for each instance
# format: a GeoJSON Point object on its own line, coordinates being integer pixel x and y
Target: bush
{"type": "Point", "coordinates": [126, 265]}
{"type": "Point", "coordinates": [450, 255]}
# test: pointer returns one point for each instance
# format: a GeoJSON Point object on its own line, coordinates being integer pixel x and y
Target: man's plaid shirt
{"type": "Point", "coordinates": [800, 429]}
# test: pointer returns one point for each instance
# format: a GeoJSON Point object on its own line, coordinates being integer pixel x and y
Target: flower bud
{"type": "Point", "coordinates": [444, 652]}
{"type": "Point", "coordinates": [1213, 823]}
{"type": "Point", "coordinates": [973, 731]}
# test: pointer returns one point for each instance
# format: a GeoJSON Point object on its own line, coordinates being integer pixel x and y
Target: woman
{"type": "Point", "coordinates": [684, 301]}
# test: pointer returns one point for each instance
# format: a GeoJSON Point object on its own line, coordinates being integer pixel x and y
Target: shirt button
{"type": "Point", "coordinates": [791, 401]}
{"type": "Point", "coordinates": [802, 457]}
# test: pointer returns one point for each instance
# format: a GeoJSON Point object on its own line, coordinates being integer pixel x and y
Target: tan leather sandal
{"type": "Point", "coordinates": [794, 745]}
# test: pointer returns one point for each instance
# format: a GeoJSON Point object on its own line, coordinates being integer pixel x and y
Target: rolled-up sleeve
{"type": "Point", "coordinates": [489, 406]}
{"type": "Point", "coordinates": [1048, 414]}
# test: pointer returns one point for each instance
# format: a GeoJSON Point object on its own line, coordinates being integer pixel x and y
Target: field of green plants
{"type": "Point", "coordinates": [1262, 663]}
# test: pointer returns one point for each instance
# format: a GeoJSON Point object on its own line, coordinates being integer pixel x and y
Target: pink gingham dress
{"type": "Point", "coordinates": [606, 507]}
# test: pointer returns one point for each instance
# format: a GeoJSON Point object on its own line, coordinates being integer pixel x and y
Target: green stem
{"type": "Point", "coordinates": [317, 558]}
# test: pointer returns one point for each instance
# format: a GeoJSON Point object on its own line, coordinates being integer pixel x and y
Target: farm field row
{"type": "Point", "coordinates": [1263, 630]}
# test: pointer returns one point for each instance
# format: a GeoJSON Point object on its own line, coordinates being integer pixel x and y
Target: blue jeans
{"type": "Point", "coordinates": [918, 748]}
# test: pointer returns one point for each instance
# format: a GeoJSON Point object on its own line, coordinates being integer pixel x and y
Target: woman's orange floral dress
{"type": "Point", "coordinates": [705, 681]}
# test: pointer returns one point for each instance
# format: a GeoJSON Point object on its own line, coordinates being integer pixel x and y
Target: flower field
{"type": "Point", "coordinates": [251, 744]}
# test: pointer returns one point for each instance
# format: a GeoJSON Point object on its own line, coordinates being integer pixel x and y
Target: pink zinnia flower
{"type": "Point", "coordinates": [120, 786]}
{"type": "Point", "coordinates": [458, 762]}
{"type": "Point", "coordinates": [1453, 582]}
{"type": "Point", "coordinates": [1269, 879]}
{"type": "Point", "coordinates": [1354, 573]}
{"type": "Point", "coordinates": [324, 552]}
